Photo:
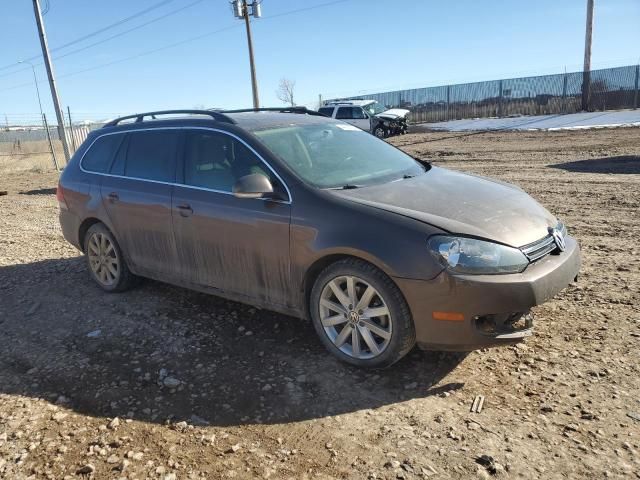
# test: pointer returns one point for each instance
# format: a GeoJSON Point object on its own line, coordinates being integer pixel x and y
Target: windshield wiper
{"type": "Point", "coordinates": [348, 186]}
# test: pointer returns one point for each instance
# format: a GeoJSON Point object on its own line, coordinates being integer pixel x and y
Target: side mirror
{"type": "Point", "coordinates": [254, 185]}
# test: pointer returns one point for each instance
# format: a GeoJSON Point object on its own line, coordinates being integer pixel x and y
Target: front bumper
{"type": "Point", "coordinates": [478, 297]}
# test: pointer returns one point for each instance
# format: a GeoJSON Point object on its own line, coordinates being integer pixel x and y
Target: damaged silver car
{"type": "Point", "coordinates": [369, 115]}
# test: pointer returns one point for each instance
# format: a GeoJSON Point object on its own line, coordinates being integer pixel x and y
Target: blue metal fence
{"type": "Point", "coordinates": [610, 89]}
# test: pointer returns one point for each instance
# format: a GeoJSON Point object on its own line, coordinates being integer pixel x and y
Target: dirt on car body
{"type": "Point", "coordinates": [163, 382]}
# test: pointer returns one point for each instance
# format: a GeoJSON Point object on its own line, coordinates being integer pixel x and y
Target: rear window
{"type": "Point", "coordinates": [344, 112]}
{"type": "Point", "coordinates": [151, 155]}
{"type": "Point", "coordinates": [98, 157]}
{"type": "Point", "coordinates": [328, 111]}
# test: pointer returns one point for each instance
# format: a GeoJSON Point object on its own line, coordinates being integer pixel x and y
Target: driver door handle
{"type": "Point", "coordinates": [185, 209]}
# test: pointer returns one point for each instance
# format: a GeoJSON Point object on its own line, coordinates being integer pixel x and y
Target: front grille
{"type": "Point", "coordinates": [540, 248]}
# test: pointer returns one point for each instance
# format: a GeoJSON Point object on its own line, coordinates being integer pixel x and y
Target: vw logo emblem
{"type": "Point", "coordinates": [353, 316]}
{"type": "Point", "coordinates": [559, 239]}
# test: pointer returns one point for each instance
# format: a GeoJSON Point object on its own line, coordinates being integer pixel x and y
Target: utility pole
{"type": "Point", "coordinates": [586, 73]}
{"type": "Point", "coordinates": [242, 9]}
{"type": "Point", "coordinates": [52, 81]}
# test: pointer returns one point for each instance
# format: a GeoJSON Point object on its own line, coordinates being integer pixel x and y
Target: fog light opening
{"type": "Point", "coordinates": [504, 324]}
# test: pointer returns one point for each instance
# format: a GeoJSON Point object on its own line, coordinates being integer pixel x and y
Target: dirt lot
{"type": "Point", "coordinates": [19, 155]}
{"type": "Point", "coordinates": [166, 383]}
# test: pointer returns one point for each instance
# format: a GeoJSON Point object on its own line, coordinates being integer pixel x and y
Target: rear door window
{"type": "Point", "coordinates": [151, 155]}
{"type": "Point", "coordinates": [344, 113]}
{"type": "Point", "coordinates": [99, 155]}
{"type": "Point", "coordinates": [328, 111]}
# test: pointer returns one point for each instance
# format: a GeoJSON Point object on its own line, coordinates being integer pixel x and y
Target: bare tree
{"type": "Point", "coordinates": [285, 91]}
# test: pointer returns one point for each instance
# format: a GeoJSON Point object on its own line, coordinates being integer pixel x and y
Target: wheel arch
{"type": "Point", "coordinates": [89, 222]}
{"type": "Point", "coordinates": [86, 224]}
{"type": "Point", "coordinates": [313, 272]}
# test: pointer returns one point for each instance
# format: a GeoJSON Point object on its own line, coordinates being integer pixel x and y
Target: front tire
{"type": "Point", "coordinates": [380, 132]}
{"type": "Point", "coordinates": [360, 315]}
{"type": "Point", "coordinates": [105, 260]}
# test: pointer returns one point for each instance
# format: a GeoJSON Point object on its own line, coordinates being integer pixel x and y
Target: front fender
{"type": "Point", "coordinates": [395, 244]}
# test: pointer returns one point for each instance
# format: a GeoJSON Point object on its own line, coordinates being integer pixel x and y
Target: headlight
{"type": "Point", "coordinates": [468, 255]}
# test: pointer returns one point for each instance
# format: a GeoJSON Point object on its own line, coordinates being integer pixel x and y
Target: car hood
{"type": "Point", "coordinates": [462, 204]}
{"type": "Point", "coordinates": [394, 113]}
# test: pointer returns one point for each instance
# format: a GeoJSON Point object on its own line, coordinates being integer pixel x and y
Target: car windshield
{"type": "Point", "coordinates": [375, 108]}
{"type": "Point", "coordinates": [338, 155]}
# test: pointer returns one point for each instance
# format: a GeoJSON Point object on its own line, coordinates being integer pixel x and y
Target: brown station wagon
{"type": "Point", "coordinates": [291, 211]}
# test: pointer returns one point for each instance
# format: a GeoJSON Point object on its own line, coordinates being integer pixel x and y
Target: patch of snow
{"type": "Point", "coordinates": [572, 121]}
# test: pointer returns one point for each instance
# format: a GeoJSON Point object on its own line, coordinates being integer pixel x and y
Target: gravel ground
{"type": "Point", "coordinates": [161, 382]}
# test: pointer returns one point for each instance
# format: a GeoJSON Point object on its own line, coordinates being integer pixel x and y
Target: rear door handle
{"type": "Point", "coordinates": [113, 197]}
{"type": "Point", "coordinates": [185, 210]}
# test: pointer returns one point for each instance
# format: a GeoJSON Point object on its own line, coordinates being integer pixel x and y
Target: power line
{"type": "Point", "coordinates": [72, 52]}
{"type": "Point", "coordinates": [176, 44]}
{"type": "Point", "coordinates": [119, 22]}
{"type": "Point", "coordinates": [138, 55]}
{"type": "Point", "coordinates": [172, 12]}
{"type": "Point", "coordinates": [99, 31]}
{"type": "Point", "coordinates": [311, 7]}
{"type": "Point", "coordinates": [149, 52]}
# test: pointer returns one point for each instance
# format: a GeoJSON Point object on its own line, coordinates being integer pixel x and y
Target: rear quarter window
{"type": "Point", "coordinates": [99, 155]}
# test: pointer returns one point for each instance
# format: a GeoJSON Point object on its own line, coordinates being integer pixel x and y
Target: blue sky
{"type": "Point", "coordinates": [339, 48]}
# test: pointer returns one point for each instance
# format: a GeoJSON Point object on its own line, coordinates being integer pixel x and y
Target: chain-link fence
{"type": "Point", "coordinates": [610, 89]}
{"type": "Point", "coordinates": [37, 146]}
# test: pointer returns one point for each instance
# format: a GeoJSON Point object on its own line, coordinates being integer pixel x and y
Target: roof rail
{"type": "Point", "coordinates": [139, 117]}
{"type": "Point", "coordinates": [301, 110]}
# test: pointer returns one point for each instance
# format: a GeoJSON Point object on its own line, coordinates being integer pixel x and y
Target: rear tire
{"type": "Point", "coordinates": [106, 263]}
{"type": "Point", "coordinates": [353, 301]}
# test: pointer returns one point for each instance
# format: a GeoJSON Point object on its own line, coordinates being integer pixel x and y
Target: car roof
{"type": "Point", "coordinates": [250, 119]}
{"type": "Point", "coordinates": [359, 103]}
{"type": "Point", "coordinates": [266, 120]}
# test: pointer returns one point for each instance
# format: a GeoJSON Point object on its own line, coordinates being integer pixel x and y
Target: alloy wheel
{"type": "Point", "coordinates": [103, 259]}
{"type": "Point", "coordinates": [379, 132]}
{"type": "Point", "coordinates": [355, 317]}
